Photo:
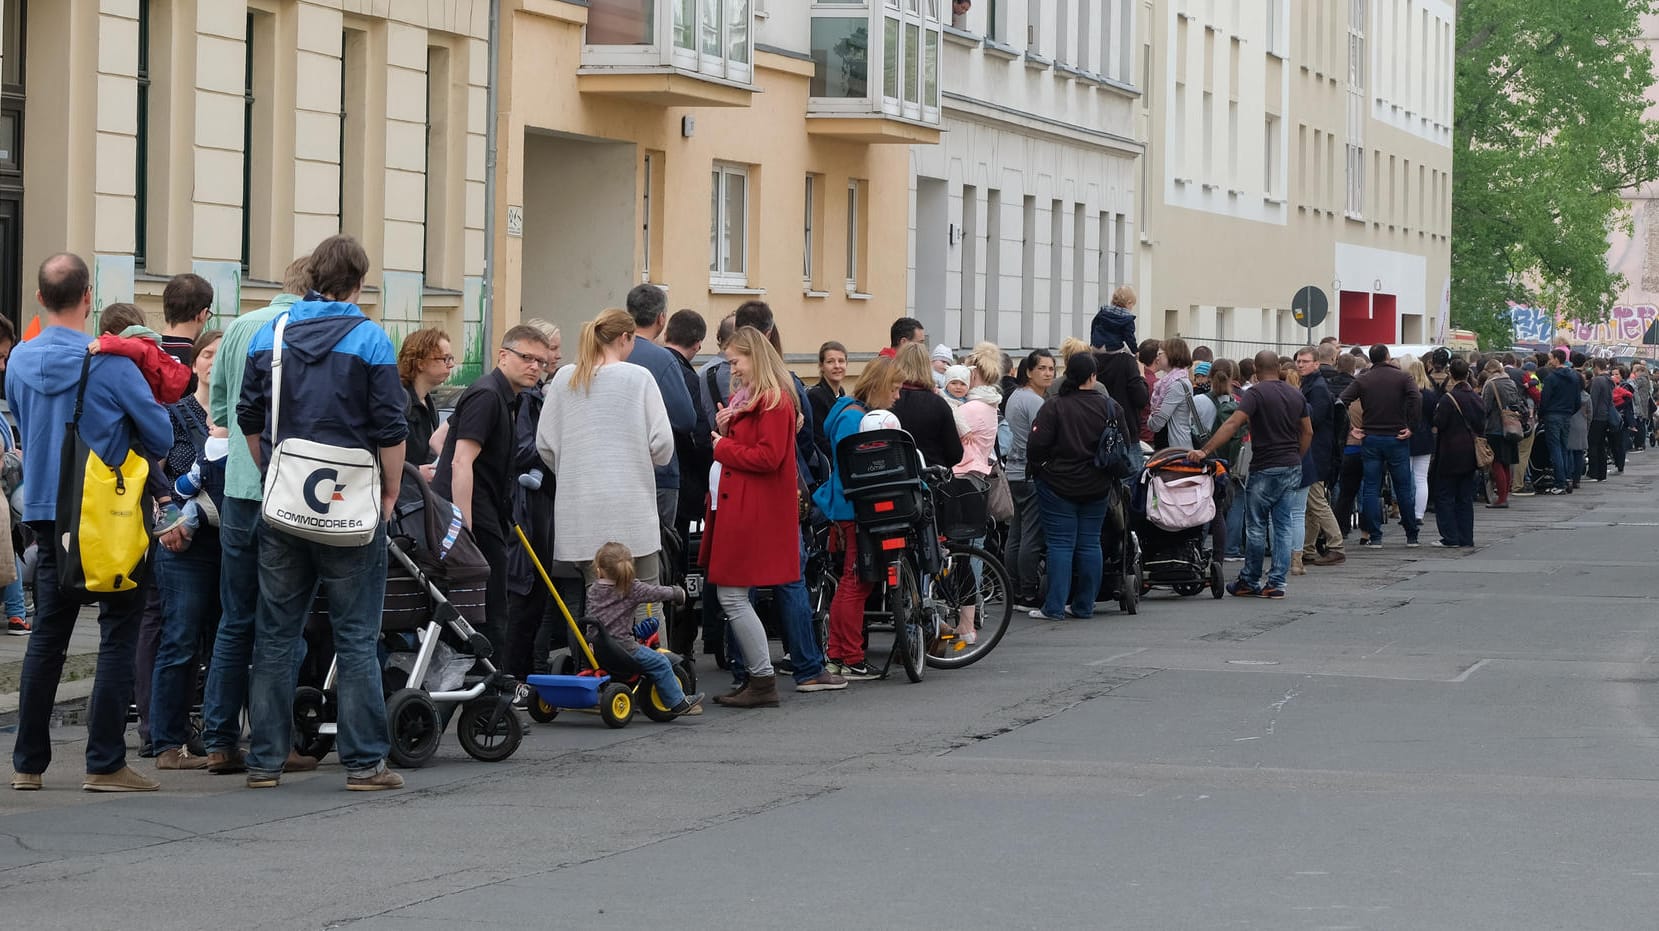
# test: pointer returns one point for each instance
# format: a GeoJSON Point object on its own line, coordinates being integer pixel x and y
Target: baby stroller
{"type": "Point", "coordinates": [1174, 502]}
{"type": "Point", "coordinates": [434, 659]}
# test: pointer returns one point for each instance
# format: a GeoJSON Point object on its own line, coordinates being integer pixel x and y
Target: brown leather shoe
{"type": "Point", "coordinates": [226, 762]}
{"type": "Point", "coordinates": [1331, 558]}
{"type": "Point", "coordinates": [762, 692]}
{"type": "Point", "coordinates": [179, 758]}
{"type": "Point", "coordinates": [299, 764]}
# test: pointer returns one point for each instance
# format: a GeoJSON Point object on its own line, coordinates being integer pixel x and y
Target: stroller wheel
{"type": "Point", "coordinates": [1217, 585]}
{"type": "Point", "coordinates": [489, 730]}
{"type": "Point", "coordinates": [310, 714]}
{"type": "Point", "coordinates": [413, 721]}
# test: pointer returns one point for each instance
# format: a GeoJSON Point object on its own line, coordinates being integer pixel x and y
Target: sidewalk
{"type": "Point", "coordinates": [77, 668]}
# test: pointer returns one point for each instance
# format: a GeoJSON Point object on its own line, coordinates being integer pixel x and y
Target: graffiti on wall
{"type": "Point", "coordinates": [1624, 324]}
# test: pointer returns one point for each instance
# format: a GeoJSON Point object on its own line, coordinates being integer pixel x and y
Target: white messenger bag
{"type": "Point", "coordinates": [315, 491]}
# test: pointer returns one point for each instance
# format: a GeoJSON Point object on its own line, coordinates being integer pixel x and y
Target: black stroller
{"type": "Point", "coordinates": [436, 662]}
{"type": "Point", "coordinates": [1174, 502]}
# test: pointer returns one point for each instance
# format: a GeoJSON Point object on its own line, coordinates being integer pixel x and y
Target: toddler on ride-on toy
{"type": "Point", "coordinates": [611, 600]}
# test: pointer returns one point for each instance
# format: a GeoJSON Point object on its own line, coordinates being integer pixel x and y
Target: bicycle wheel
{"type": "Point", "coordinates": [910, 634]}
{"type": "Point", "coordinates": [822, 578]}
{"type": "Point", "coordinates": [954, 588]}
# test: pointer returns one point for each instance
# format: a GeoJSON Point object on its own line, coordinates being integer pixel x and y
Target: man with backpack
{"type": "Point", "coordinates": [1327, 453]}
{"type": "Point", "coordinates": [113, 411]}
{"type": "Point", "coordinates": [333, 396]}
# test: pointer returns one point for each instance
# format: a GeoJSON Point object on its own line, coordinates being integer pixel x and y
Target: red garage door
{"type": "Point", "coordinates": [1365, 318]}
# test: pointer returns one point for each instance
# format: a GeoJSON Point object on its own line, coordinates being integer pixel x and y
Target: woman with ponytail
{"type": "Point", "coordinates": [603, 428]}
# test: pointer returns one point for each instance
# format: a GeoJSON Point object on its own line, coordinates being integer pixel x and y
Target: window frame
{"type": "Point", "coordinates": [665, 51]}
{"type": "Point", "coordinates": [720, 274]}
{"type": "Point", "coordinates": [921, 20]}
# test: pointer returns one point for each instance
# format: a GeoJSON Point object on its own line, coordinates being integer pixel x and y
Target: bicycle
{"type": "Point", "coordinates": [927, 582]}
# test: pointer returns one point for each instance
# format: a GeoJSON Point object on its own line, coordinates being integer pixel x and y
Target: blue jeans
{"type": "Point", "coordinates": [55, 613]}
{"type": "Point", "coordinates": [1378, 453]}
{"type": "Point", "coordinates": [1299, 520]}
{"type": "Point", "coordinates": [1235, 523]}
{"type": "Point", "coordinates": [189, 584]}
{"type": "Point", "coordinates": [354, 579]}
{"type": "Point", "coordinates": [240, 530]}
{"type": "Point", "coordinates": [13, 593]}
{"type": "Point", "coordinates": [1270, 495]}
{"type": "Point", "coordinates": [1072, 529]}
{"type": "Point", "coordinates": [661, 672]}
{"type": "Point", "coordinates": [1555, 433]}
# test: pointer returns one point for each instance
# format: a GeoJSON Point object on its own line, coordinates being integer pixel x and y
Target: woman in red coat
{"type": "Point", "coordinates": [753, 540]}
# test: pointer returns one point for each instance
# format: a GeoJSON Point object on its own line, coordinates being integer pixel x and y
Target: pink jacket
{"type": "Point", "coordinates": [979, 444]}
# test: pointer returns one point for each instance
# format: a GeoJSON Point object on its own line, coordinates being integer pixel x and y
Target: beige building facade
{"type": "Point", "coordinates": [226, 137]}
{"type": "Point", "coordinates": [1293, 143]}
{"type": "Point", "coordinates": [724, 151]}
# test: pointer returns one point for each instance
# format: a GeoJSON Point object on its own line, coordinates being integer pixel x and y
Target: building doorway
{"type": "Point", "coordinates": [12, 71]}
{"type": "Point", "coordinates": [933, 233]}
{"type": "Point", "coordinates": [581, 212]}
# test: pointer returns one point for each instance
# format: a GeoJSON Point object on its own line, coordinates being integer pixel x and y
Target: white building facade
{"type": "Point", "coordinates": [1024, 215]}
{"type": "Point", "coordinates": [1292, 143]}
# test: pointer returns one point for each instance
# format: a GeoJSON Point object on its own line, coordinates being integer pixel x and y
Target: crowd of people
{"type": "Point", "coordinates": [611, 463]}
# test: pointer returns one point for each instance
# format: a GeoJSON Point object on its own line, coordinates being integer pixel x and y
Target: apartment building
{"type": "Point", "coordinates": [1025, 214]}
{"type": "Point", "coordinates": [225, 137]}
{"type": "Point", "coordinates": [1633, 253]}
{"type": "Point", "coordinates": [724, 151]}
{"type": "Point", "coordinates": [1293, 143]}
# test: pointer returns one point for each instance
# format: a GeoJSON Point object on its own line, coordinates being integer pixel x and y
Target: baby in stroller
{"type": "Point", "coordinates": [611, 599]}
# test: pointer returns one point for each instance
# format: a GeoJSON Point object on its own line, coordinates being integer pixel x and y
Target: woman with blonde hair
{"type": "Point", "coordinates": [878, 386]}
{"type": "Point", "coordinates": [603, 428]}
{"type": "Point", "coordinates": [928, 417]}
{"type": "Point", "coordinates": [751, 536]}
{"type": "Point", "coordinates": [1422, 432]}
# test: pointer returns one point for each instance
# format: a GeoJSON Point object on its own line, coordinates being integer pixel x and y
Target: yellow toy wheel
{"type": "Point", "coordinates": [616, 705]}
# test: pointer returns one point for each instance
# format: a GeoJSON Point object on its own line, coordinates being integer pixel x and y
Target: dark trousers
{"type": "Point", "coordinates": [1600, 434]}
{"type": "Point", "coordinates": [1618, 442]}
{"type": "Point", "coordinates": [1454, 508]}
{"type": "Point", "coordinates": [112, 685]}
{"type": "Point", "coordinates": [144, 653]}
{"type": "Point", "coordinates": [1024, 550]}
{"type": "Point", "coordinates": [1349, 478]}
{"type": "Point", "coordinates": [535, 627]}
{"type": "Point", "coordinates": [493, 546]}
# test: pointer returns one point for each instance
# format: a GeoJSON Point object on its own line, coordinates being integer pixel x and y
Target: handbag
{"type": "Point", "coordinates": [1512, 429]}
{"type": "Point", "coordinates": [103, 522]}
{"type": "Point", "coordinates": [1000, 499]}
{"type": "Point", "coordinates": [317, 491]}
{"type": "Point", "coordinates": [1483, 449]}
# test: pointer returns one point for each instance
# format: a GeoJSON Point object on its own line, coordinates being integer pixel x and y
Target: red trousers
{"type": "Point", "coordinates": [846, 616]}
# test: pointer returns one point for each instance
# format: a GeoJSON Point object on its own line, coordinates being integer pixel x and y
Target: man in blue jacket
{"type": "Point", "coordinates": [340, 387]}
{"type": "Point", "coordinates": [648, 306]}
{"type": "Point", "coordinates": [119, 413]}
{"type": "Point", "coordinates": [1557, 406]}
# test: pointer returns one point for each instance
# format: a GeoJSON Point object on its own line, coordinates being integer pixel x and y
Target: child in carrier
{"type": "Point", "coordinates": [122, 332]}
{"type": "Point", "coordinates": [611, 600]}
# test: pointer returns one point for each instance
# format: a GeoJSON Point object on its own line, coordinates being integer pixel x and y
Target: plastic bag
{"type": "Point", "coordinates": [447, 672]}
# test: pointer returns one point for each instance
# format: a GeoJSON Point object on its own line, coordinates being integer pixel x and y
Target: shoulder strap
{"type": "Point", "coordinates": [195, 427]}
{"type": "Point", "coordinates": [276, 374]}
{"type": "Point", "coordinates": [713, 376]}
{"type": "Point", "coordinates": [80, 392]}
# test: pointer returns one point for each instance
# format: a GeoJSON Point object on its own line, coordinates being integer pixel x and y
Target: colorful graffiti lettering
{"type": "Point", "coordinates": [1624, 324]}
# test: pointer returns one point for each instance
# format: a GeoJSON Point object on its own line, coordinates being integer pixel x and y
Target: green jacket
{"type": "Point", "coordinates": [242, 477]}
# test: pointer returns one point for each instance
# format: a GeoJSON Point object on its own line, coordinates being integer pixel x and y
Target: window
{"type": "Point", "coordinates": [1273, 14]}
{"type": "Point", "coordinates": [812, 233]}
{"type": "Point", "coordinates": [856, 220]}
{"type": "Point", "coordinates": [1270, 157]}
{"type": "Point", "coordinates": [729, 227]}
{"type": "Point", "coordinates": [354, 105]}
{"type": "Point", "coordinates": [141, 181]}
{"type": "Point", "coordinates": [1356, 110]}
{"type": "Point", "coordinates": [709, 37]}
{"type": "Point", "coordinates": [877, 56]}
{"type": "Point", "coordinates": [647, 215]}
{"type": "Point", "coordinates": [247, 143]}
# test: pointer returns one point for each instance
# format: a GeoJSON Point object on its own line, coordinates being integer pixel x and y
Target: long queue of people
{"type": "Point", "coordinates": [611, 464]}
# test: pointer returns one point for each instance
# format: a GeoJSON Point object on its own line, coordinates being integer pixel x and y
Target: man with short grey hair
{"type": "Point", "coordinates": [648, 305]}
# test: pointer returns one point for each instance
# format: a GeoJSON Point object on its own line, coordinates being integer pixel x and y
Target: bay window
{"type": "Point", "coordinates": [705, 37]}
{"type": "Point", "coordinates": [877, 58]}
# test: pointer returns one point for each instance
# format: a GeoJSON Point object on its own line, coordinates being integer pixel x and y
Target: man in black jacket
{"type": "Point", "coordinates": [1601, 415]}
{"type": "Point", "coordinates": [684, 337]}
{"type": "Point", "coordinates": [1327, 452]}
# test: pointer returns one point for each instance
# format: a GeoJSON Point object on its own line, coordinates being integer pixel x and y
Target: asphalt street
{"type": "Point", "coordinates": [1421, 739]}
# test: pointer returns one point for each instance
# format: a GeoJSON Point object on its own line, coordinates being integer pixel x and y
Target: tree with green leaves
{"type": "Point", "coordinates": [1548, 131]}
